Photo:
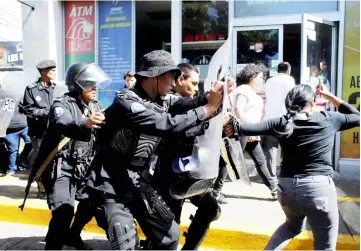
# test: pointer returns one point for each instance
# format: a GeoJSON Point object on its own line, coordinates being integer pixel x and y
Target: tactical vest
{"type": "Point", "coordinates": [137, 148]}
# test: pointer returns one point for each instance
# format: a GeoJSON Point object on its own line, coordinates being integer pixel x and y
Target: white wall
{"type": "Point", "coordinates": [10, 22]}
{"type": "Point", "coordinates": [42, 36]}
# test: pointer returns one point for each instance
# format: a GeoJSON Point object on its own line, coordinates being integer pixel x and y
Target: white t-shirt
{"type": "Point", "coordinates": [276, 90]}
{"type": "Point", "coordinates": [248, 104]}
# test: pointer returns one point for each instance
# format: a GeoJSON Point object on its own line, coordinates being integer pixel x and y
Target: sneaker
{"type": "Point", "coordinates": [274, 193]}
{"type": "Point", "coordinates": [77, 243]}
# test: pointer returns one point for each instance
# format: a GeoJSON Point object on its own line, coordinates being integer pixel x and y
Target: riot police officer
{"type": "Point", "coordinates": [171, 148]}
{"type": "Point", "coordinates": [135, 123]}
{"type": "Point", "coordinates": [73, 119]}
{"type": "Point", "coordinates": [38, 97]}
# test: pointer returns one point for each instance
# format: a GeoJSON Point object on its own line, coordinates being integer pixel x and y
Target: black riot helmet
{"type": "Point", "coordinates": [83, 76]}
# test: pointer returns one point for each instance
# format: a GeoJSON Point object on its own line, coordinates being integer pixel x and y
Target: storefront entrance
{"type": "Point", "coordinates": [308, 46]}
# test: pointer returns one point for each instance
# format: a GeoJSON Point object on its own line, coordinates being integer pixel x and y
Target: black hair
{"type": "Point", "coordinates": [296, 100]}
{"type": "Point", "coordinates": [284, 67]}
{"type": "Point", "coordinates": [129, 74]}
{"type": "Point", "coordinates": [187, 69]}
{"type": "Point", "coordinates": [248, 73]}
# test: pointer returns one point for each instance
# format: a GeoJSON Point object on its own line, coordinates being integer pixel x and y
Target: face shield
{"type": "Point", "coordinates": [92, 76]}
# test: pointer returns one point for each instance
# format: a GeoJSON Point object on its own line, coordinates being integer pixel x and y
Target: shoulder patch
{"type": "Point", "coordinates": [58, 111]}
{"type": "Point", "coordinates": [137, 107]}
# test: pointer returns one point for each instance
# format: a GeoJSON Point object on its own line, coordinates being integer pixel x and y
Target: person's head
{"type": "Point", "coordinates": [158, 73]}
{"type": "Point", "coordinates": [284, 68]}
{"type": "Point", "coordinates": [84, 79]}
{"type": "Point", "coordinates": [47, 70]}
{"type": "Point", "coordinates": [315, 70]}
{"type": "Point", "coordinates": [299, 98]}
{"type": "Point", "coordinates": [129, 79]}
{"type": "Point", "coordinates": [252, 74]}
{"type": "Point", "coordinates": [187, 84]}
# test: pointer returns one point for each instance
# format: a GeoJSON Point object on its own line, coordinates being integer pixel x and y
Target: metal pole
{"type": "Point", "coordinates": [31, 6]}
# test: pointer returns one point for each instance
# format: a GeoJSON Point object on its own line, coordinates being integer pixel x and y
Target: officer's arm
{"type": "Point", "coordinates": [61, 120]}
{"type": "Point", "coordinates": [153, 123]}
{"type": "Point", "coordinates": [28, 107]}
{"type": "Point", "coordinates": [181, 105]}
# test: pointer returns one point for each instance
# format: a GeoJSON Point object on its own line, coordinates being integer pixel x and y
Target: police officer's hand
{"type": "Point", "coordinates": [228, 126]}
{"type": "Point", "coordinates": [94, 120]}
{"type": "Point", "coordinates": [215, 98]}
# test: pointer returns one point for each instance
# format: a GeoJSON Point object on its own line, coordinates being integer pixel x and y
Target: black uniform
{"type": "Point", "coordinates": [64, 177]}
{"type": "Point", "coordinates": [208, 209]}
{"type": "Point", "coordinates": [36, 106]}
{"type": "Point", "coordinates": [119, 172]}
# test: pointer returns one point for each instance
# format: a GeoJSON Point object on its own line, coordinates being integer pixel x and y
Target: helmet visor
{"type": "Point", "coordinates": [92, 76]}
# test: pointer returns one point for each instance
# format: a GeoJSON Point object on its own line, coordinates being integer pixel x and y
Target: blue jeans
{"type": "Point", "coordinates": [314, 197]}
{"type": "Point", "coordinates": [12, 141]}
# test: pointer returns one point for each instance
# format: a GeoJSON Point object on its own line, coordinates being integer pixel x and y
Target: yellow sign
{"type": "Point", "coordinates": [350, 139]}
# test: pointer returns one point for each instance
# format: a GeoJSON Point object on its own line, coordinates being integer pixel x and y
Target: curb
{"type": "Point", "coordinates": [251, 238]}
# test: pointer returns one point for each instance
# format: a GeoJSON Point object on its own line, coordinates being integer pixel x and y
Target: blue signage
{"type": "Point", "coordinates": [115, 45]}
{"type": "Point", "coordinates": [249, 8]}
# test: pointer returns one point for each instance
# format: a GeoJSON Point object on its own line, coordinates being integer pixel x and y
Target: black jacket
{"type": "Point", "coordinates": [67, 118]}
{"type": "Point", "coordinates": [36, 106]}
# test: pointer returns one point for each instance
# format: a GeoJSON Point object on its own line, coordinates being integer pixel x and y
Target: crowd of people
{"type": "Point", "coordinates": [102, 157]}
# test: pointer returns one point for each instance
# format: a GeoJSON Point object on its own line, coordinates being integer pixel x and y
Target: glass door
{"type": "Point", "coordinates": [318, 57]}
{"type": "Point", "coordinates": [318, 52]}
{"type": "Point", "coordinates": [259, 44]}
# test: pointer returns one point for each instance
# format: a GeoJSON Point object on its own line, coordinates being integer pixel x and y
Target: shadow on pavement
{"type": "Point", "coordinates": [17, 192]}
{"type": "Point", "coordinates": [38, 243]}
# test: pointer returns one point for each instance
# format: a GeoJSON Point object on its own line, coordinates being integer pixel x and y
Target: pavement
{"type": "Point", "coordinates": [247, 222]}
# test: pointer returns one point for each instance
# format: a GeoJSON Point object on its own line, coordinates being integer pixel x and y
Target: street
{"type": "Point", "coordinates": [248, 219]}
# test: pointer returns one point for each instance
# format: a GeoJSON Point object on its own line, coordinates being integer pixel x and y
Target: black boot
{"type": "Point", "coordinates": [83, 215]}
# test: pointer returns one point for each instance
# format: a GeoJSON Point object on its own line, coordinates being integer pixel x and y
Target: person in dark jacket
{"type": "Point", "coordinates": [119, 174]}
{"type": "Point", "coordinates": [73, 120]}
{"type": "Point", "coordinates": [208, 209]}
{"type": "Point", "coordinates": [129, 79]}
{"type": "Point", "coordinates": [38, 98]}
{"type": "Point", "coordinates": [305, 185]}
{"type": "Point", "coordinates": [18, 129]}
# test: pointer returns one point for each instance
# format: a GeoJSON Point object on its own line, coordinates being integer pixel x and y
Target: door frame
{"type": "Point", "coordinates": [317, 19]}
{"type": "Point", "coordinates": [255, 28]}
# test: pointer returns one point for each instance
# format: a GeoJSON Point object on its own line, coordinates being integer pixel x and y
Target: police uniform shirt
{"type": "Point", "coordinates": [67, 118]}
{"type": "Point", "coordinates": [36, 105]}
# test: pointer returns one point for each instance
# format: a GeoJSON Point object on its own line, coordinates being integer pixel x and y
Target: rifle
{"type": "Point", "coordinates": [34, 175]}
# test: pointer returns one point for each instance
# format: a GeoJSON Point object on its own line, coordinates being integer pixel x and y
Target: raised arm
{"type": "Point", "coordinates": [347, 116]}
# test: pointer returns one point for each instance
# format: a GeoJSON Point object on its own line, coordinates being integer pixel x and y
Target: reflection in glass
{"type": "Point", "coordinates": [204, 30]}
{"type": "Point", "coordinates": [258, 46]}
{"type": "Point", "coordinates": [319, 47]}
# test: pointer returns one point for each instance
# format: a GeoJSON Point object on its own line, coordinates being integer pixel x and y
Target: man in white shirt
{"type": "Point", "coordinates": [276, 89]}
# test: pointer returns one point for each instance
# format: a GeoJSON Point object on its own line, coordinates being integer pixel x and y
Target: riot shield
{"type": "Point", "coordinates": [12, 89]}
{"type": "Point", "coordinates": [202, 166]}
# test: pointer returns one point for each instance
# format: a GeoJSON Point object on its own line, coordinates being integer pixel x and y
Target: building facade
{"type": "Point", "coordinates": [308, 34]}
